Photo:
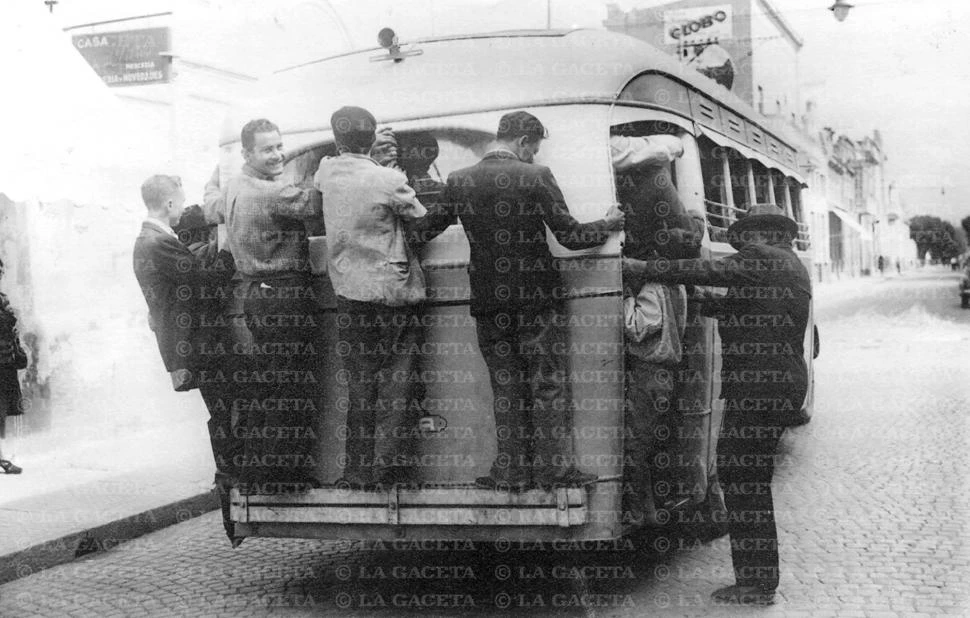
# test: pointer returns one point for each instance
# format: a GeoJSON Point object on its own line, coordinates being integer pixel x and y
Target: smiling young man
{"type": "Point", "coordinates": [265, 220]}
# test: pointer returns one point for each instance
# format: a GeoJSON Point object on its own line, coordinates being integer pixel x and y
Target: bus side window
{"type": "Point", "coordinates": [762, 183]}
{"type": "Point", "coordinates": [726, 186]}
{"type": "Point", "coordinates": [804, 241]}
{"type": "Point", "coordinates": [740, 180]}
{"type": "Point", "coordinates": [718, 198]}
{"type": "Point", "coordinates": [428, 157]}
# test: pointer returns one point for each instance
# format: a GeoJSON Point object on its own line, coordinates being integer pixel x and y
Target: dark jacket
{"type": "Point", "coordinates": [185, 295]}
{"type": "Point", "coordinates": [505, 205]}
{"type": "Point", "coordinates": [10, 338]}
{"type": "Point", "coordinates": [657, 223]}
{"type": "Point", "coordinates": [762, 320]}
{"type": "Point", "coordinates": [15, 358]}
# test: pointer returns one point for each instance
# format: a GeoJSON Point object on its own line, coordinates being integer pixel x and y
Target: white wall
{"type": "Point", "coordinates": [774, 64]}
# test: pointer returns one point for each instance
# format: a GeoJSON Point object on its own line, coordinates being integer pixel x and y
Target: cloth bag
{"type": "Point", "coordinates": [654, 320]}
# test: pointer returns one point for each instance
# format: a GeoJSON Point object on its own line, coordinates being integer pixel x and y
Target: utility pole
{"type": "Point", "coordinates": [50, 4]}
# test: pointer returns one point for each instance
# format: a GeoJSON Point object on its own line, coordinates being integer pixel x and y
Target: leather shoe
{"type": "Point", "coordinates": [9, 467]}
{"type": "Point", "coordinates": [347, 484]}
{"type": "Point", "coordinates": [397, 477]}
{"type": "Point", "coordinates": [744, 595]}
{"type": "Point", "coordinates": [488, 482]}
{"type": "Point", "coordinates": [573, 478]}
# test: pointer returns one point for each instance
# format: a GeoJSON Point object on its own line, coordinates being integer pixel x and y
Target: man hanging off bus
{"type": "Point", "coordinates": [762, 322]}
{"type": "Point", "coordinates": [657, 225]}
{"type": "Point", "coordinates": [266, 226]}
{"type": "Point", "coordinates": [505, 203]}
{"type": "Point", "coordinates": [177, 280]}
{"type": "Point", "coordinates": [380, 288]}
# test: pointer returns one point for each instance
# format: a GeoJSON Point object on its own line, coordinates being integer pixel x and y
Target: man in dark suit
{"type": "Point", "coordinates": [505, 203]}
{"type": "Point", "coordinates": [179, 288]}
{"type": "Point", "coordinates": [764, 378]}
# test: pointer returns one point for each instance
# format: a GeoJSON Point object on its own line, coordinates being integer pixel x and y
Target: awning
{"type": "Point", "coordinates": [851, 221]}
{"type": "Point", "coordinates": [748, 152]}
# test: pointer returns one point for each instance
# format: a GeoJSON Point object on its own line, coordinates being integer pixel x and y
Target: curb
{"type": "Point", "coordinates": [101, 538]}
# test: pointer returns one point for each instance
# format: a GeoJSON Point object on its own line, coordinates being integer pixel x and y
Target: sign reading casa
{"type": "Point", "coordinates": [697, 25]}
{"type": "Point", "coordinates": [128, 58]}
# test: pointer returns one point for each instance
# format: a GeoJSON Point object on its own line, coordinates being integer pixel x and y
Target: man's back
{"type": "Point", "coordinates": [505, 205]}
{"type": "Point", "coordinates": [764, 318]}
{"type": "Point", "coordinates": [157, 258]}
{"type": "Point", "coordinates": [364, 209]}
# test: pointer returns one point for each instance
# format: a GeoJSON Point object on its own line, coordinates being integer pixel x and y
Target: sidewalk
{"type": "Point", "coordinates": [126, 456]}
{"type": "Point", "coordinates": [95, 495]}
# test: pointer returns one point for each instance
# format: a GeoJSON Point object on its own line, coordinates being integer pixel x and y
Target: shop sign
{"type": "Point", "coordinates": [128, 58]}
{"type": "Point", "coordinates": [697, 25]}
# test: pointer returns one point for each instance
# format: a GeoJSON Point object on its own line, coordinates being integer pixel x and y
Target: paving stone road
{"type": "Point", "coordinates": [872, 503]}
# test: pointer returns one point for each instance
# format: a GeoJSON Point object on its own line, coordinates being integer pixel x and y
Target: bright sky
{"type": "Point", "coordinates": [900, 66]}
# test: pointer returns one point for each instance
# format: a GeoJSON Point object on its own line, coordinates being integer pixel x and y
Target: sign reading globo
{"type": "Point", "coordinates": [697, 25]}
{"type": "Point", "coordinates": [128, 58]}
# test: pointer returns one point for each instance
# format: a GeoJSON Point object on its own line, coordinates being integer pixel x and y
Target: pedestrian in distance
{"type": "Point", "coordinates": [762, 323]}
{"type": "Point", "coordinates": [12, 359]}
{"type": "Point", "coordinates": [505, 203]}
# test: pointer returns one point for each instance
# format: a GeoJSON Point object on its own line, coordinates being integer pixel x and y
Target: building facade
{"type": "Point", "coordinates": [747, 46]}
{"type": "Point", "coordinates": [867, 224]}
{"type": "Point", "coordinates": [178, 98]}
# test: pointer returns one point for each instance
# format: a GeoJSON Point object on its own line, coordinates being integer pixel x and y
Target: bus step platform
{"type": "Point", "coordinates": [445, 504]}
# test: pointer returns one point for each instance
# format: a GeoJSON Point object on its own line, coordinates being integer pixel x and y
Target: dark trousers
{"type": "Point", "coordinates": [380, 348]}
{"type": "Point", "coordinates": [746, 453]}
{"type": "Point", "coordinates": [527, 366]}
{"type": "Point", "coordinates": [282, 398]}
{"type": "Point", "coordinates": [649, 391]}
{"type": "Point", "coordinates": [225, 436]}
{"type": "Point", "coordinates": [228, 445]}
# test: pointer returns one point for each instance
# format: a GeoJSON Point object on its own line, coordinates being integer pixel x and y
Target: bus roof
{"type": "Point", "coordinates": [471, 73]}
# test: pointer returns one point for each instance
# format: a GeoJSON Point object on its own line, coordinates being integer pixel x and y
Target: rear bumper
{"type": "Point", "coordinates": [447, 506]}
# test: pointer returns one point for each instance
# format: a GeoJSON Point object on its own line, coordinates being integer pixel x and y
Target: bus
{"type": "Point", "coordinates": [581, 84]}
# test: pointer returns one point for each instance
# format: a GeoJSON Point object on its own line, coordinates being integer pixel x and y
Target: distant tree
{"type": "Point", "coordinates": [937, 236]}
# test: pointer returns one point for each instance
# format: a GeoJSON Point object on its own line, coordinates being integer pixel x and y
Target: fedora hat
{"type": "Point", "coordinates": [760, 218]}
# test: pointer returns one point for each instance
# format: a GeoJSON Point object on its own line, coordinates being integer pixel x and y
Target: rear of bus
{"type": "Point", "coordinates": [580, 85]}
{"type": "Point", "coordinates": [455, 439]}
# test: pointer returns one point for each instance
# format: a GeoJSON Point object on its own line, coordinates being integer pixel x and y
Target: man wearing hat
{"type": "Point", "coordinates": [762, 322]}
{"type": "Point", "coordinates": [380, 287]}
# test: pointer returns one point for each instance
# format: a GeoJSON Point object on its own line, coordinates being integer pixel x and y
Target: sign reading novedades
{"type": "Point", "coordinates": [698, 25]}
{"type": "Point", "coordinates": [128, 58]}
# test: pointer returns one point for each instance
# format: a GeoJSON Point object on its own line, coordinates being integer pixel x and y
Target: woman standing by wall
{"type": "Point", "coordinates": [12, 359]}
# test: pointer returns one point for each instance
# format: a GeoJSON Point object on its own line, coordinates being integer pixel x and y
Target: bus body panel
{"type": "Point", "coordinates": [455, 439]}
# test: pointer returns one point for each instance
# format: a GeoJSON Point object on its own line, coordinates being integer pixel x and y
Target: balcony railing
{"type": "Point", "coordinates": [720, 217]}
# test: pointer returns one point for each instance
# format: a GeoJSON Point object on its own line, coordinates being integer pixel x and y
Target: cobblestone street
{"type": "Point", "coordinates": [871, 499]}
